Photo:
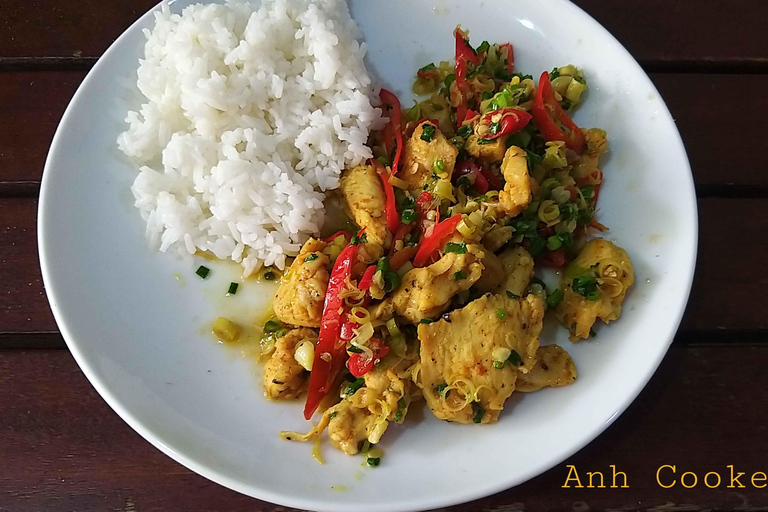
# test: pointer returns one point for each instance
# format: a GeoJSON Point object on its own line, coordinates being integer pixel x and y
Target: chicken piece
{"type": "Point", "coordinates": [517, 265]}
{"type": "Point", "coordinates": [420, 155]}
{"type": "Point", "coordinates": [425, 292]}
{"type": "Point", "coordinates": [364, 196]}
{"type": "Point", "coordinates": [284, 377]}
{"type": "Point", "coordinates": [467, 361]}
{"type": "Point", "coordinates": [489, 153]}
{"type": "Point", "coordinates": [497, 237]}
{"type": "Point", "coordinates": [299, 298]}
{"type": "Point", "coordinates": [554, 367]}
{"type": "Point", "coordinates": [492, 270]}
{"type": "Point", "coordinates": [586, 165]}
{"type": "Point", "coordinates": [517, 189]}
{"type": "Point", "coordinates": [594, 286]}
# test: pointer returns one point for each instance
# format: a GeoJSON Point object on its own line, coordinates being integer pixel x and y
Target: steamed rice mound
{"type": "Point", "coordinates": [250, 116]}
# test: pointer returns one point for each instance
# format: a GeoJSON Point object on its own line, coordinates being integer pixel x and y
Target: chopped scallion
{"type": "Point", "coordinates": [479, 412]}
{"type": "Point", "coordinates": [501, 314]}
{"type": "Point", "coordinates": [554, 298]}
{"type": "Point", "coordinates": [427, 133]}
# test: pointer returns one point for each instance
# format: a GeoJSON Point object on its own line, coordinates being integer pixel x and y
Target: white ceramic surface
{"type": "Point", "coordinates": [138, 330]}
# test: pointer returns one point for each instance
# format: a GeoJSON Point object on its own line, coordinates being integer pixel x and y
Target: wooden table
{"type": "Point", "coordinates": [62, 448]}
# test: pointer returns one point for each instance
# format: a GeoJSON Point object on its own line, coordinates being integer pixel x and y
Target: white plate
{"type": "Point", "coordinates": [138, 333]}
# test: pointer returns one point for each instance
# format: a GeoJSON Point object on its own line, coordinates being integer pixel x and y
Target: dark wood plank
{"type": "Point", "coordinates": [64, 30]}
{"type": "Point", "coordinates": [64, 449]}
{"type": "Point", "coordinates": [31, 104]}
{"type": "Point", "coordinates": [700, 33]}
{"type": "Point", "coordinates": [655, 31]}
{"type": "Point", "coordinates": [726, 290]}
{"type": "Point", "coordinates": [23, 305]}
{"type": "Point", "coordinates": [719, 152]}
{"type": "Point", "coordinates": [730, 282]}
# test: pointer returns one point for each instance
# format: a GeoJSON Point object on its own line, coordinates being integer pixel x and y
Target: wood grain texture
{"type": "Point", "coordinates": [66, 30]}
{"type": "Point", "coordinates": [703, 34]}
{"type": "Point", "coordinates": [654, 31]}
{"type": "Point", "coordinates": [23, 305]}
{"type": "Point", "coordinates": [730, 256]}
{"type": "Point", "coordinates": [31, 104]}
{"type": "Point", "coordinates": [69, 451]}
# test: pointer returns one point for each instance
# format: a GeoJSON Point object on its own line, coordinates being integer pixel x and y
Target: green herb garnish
{"type": "Point", "coordinates": [465, 131]}
{"type": "Point", "coordinates": [585, 286]}
{"type": "Point", "coordinates": [408, 216]}
{"type": "Point", "coordinates": [512, 295]}
{"type": "Point", "coordinates": [499, 364]}
{"type": "Point", "coordinates": [459, 275]}
{"type": "Point", "coordinates": [428, 133]}
{"type": "Point", "coordinates": [515, 359]}
{"type": "Point", "coordinates": [311, 257]}
{"type": "Point", "coordinates": [202, 271]}
{"type": "Point", "coordinates": [425, 321]}
{"type": "Point", "coordinates": [501, 314]}
{"type": "Point", "coordinates": [460, 248]}
{"type": "Point", "coordinates": [352, 387]}
{"type": "Point", "coordinates": [440, 388]}
{"type": "Point", "coordinates": [373, 461]}
{"type": "Point", "coordinates": [479, 412]}
{"type": "Point", "coordinates": [232, 288]}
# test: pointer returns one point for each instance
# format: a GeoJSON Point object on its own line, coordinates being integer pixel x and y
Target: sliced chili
{"type": "Point", "coordinates": [431, 243]}
{"type": "Point", "coordinates": [551, 120]}
{"type": "Point", "coordinates": [393, 218]}
{"type": "Point", "coordinates": [330, 351]}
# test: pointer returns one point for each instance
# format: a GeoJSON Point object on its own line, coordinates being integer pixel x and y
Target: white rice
{"type": "Point", "coordinates": [251, 113]}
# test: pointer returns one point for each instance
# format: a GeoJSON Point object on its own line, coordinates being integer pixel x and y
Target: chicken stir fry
{"type": "Point", "coordinates": [470, 193]}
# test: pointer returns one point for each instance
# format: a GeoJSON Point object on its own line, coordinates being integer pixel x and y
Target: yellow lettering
{"type": "Point", "coordinates": [619, 473]}
{"type": "Point", "coordinates": [673, 468]}
{"type": "Point", "coordinates": [706, 480]}
{"type": "Point", "coordinates": [572, 471]}
{"type": "Point", "coordinates": [695, 480]}
{"type": "Point", "coordinates": [763, 478]}
{"type": "Point", "coordinates": [736, 479]}
{"type": "Point", "coordinates": [591, 485]}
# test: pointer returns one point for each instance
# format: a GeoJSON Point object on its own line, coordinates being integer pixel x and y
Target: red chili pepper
{"type": "Point", "coordinates": [424, 202]}
{"type": "Point", "coordinates": [427, 74]}
{"type": "Point", "coordinates": [471, 114]}
{"type": "Point", "coordinates": [394, 129]}
{"type": "Point", "coordinates": [510, 56]}
{"type": "Point", "coordinates": [360, 364]}
{"type": "Point", "coordinates": [330, 351]}
{"type": "Point", "coordinates": [464, 55]}
{"type": "Point", "coordinates": [494, 182]}
{"type": "Point", "coordinates": [367, 279]}
{"type": "Point", "coordinates": [393, 218]}
{"type": "Point", "coordinates": [551, 120]}
{"type": "Point", "coordinates": [467, 167]}
{"type": "Point", "coordinates": [337, 234]}
{"type": "Point", "coordinates": [429, 244]}
{"type": "Point", "coordinates": [554, 258]}
{"type": "Point", "coordinates": [506, 121]}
